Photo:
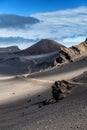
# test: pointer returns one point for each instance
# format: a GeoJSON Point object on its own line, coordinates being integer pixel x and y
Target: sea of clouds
{"type": "Point", "coordinates": [68, 27]}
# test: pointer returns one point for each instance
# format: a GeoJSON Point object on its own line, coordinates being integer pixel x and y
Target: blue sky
{"type": "Point", "coordinates": [62, 20]}
{"type": "Point", "coordinates": [25, 7]}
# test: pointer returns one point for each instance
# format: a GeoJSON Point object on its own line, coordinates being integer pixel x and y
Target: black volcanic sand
{"type": "Point", "coordinates": [67, 114]}
{"type": "Point", "coordinates": [66, 71]}
{"type": "Point", "coordinates": [82, 78]}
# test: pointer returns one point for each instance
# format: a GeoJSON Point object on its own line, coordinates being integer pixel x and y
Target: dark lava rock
{"type": "Point", "coordinates": [60, 89]}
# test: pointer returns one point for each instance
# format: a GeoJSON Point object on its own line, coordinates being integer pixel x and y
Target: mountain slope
{"type": "Point", "coordinates": [72, 53]}
{"type": "Point", "coordinates": [9, 49]}
{"type": "Point", "coordinates": [42, 47]}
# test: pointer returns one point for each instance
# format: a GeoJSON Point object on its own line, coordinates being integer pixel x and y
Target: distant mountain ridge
{"type": "Point", "coordinates": [9, 49]}
{"type": "Point", "coordinates": [41, 56]}
{"type": "Point", "coordinates": [42, 47]}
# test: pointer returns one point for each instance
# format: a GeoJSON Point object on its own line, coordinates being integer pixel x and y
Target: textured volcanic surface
{"type": "Point", "coordinates": [20, 97]}
{"type": "Point", "coordinates": [42, 47]}
{"type": "Point", "coordinates": [70, 54]}
{"type": "Point", "coordinates": [82, 78]}
{"type": "Point", "coordinates": [68, 114]}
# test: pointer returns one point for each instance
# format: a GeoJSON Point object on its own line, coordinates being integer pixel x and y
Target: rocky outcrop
{"type": "Point", "coordinates": [69, 54]}
{"type": "Point", "coordinates": [60, 89]}
{"type": "Point", "coordinates": [82, 47]}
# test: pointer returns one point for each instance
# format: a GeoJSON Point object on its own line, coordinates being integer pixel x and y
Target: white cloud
{"type": "Point", "coordinates": [74, 40]}
{"type": "Point", "coordinates": [66, 26]}
{"type": "Point", "coordinates": [70, 24]}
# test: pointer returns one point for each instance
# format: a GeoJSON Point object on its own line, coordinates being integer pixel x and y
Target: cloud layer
{"type": "Point", "coordinates": [66, 26]}
{"type": "Point", "coordinates": [16, 21]}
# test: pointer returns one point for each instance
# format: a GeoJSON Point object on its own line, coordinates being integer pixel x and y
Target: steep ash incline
{"type": "Point", "coordinates": [42, 47]}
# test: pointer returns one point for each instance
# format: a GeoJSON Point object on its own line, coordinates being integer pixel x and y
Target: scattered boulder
{"type": "Point", "coordinates": [60, 89]}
